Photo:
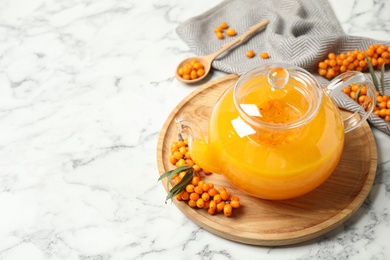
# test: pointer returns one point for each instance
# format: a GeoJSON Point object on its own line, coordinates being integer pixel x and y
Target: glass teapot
{"type": "Point", "coordinates": [277, 134]}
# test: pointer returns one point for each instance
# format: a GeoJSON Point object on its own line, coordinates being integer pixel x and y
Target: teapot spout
{"type": "Point", "coordinates": [202, 153]}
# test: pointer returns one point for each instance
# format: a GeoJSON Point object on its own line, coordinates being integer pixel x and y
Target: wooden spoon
{"type": "Point", "coordinates": [208, 60]}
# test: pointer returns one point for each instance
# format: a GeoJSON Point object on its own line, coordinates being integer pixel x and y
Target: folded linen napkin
{"type": "Point", "coordinates": [300, 32]}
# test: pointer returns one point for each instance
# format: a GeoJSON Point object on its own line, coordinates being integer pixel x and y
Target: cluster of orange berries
{"type": "Point", "coordinates": [354, 60]}
{"type": "Point", "coordinates": [358, 93]}
{"type": "Point", "coordinates": [200, 194]}
{"type": "Point", "coordinates": [251, 54]}
{"type": "Point", "coordinates": [181, 156]}
{"type": "Point", "coordinates": [224, 27]}
{"type": "Point", "coordinates": [191, 70]}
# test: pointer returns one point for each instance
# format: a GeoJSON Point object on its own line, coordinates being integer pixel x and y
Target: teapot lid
{"type": "Point", "coordinates": [277, 96]}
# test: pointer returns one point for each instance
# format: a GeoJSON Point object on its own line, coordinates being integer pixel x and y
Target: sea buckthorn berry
{"type": "Point", "coordinates": [347, 90]}
{"type": "Point", "coordinates": [178, 155]}
{"type": "Point", "coordinates": [192, 203]}
{"type": "Point", "coordinates": [182, 174]}
{"type": "Point", "coordinates": [200, 72]}
{"type": "Point", "coordinates": [224, 195]}
{"type": "Point", "coordinates": [206, 172]}
{"type": "Point", "coordinates": [178, 196]}
{"type": "Point", "coordinates": [224, 25]}
{"type": "Point", "coordinates": [217, 198]}
{"type": "Point", "coordinates": [180, 144]}
{"type": "Point", "coordinates": [264, 55]}
{"type": "Point", "coordinates": [200, 203]}
{"type": "Point", "coordinates": [235, 203]}
{"type": "Point", "coordinates": [194, 196]}
{"type": "Point", "coordinates": [331, 56]}
{"type": "Point", "coordinates": [218, 29]}
{"type": "Point", "coordinates": [196, 168]}
{"type": "Point", "coordinates": [198, 189]}
{"type": "Point", "coordinates": [234, 198]}
{"type": "Point", "coordinates": [211, 211]}
{"type": "Point", "coordinates": [172, 159]}
{"type": "Point", "coordinates": [183, 150]}
{"type": "Point", "coordinates": [219, 35]}
{"type": "Point", "coordinates": [206, 187]}
{"type": "Point", "coordinates": [190, 188]}
{"type": "Point", "coordinates": [206, 204]}
{"type": "Point", "coordinates": [195, 180]}
{"type": "Point", "coordinates": [221, 189]}
{"type": "Point", "coordinates": [185, 195]}
{"type": "Point", "coordinates": [190, 162]}
{"type": "Point", "coordinates": [205, 196]}
{"type": "Point", "coordinates": [201, 183]}
{"type": "Point", "coordinates": [220, 206]}
{"type": "Point", "coordinates": [212, 192]}
{"type": "Point", "coordinates": [213, 205]}
{"type": "Point", "coordinates": [250, 54]}
{"type": "Point", "coordinates": [227, 210]}
{"type": "Point", "coordinates": [231, 32]}
{"type": "Point", "coordinates": [323, 65]}
{"type": "Point", "coordinates": [180, 162]}
{"type": "Point", "coordinates": [198, 66]}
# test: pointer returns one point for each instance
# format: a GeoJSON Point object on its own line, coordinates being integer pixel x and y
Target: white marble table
{"type": "Point", "coordinates": [85, 87]}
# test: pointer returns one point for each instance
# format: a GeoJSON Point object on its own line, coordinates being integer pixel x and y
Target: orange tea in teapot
{"type": "Point", "coordinates": [273, 142]}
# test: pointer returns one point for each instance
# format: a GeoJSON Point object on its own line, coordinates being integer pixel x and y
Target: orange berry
{"type": "Point", "coordinates": [195, 180]}
{"type": "Point", "coordinates": [212, 192]}
{"type": "Point", "coordinates": [200, 203]}
{"type": "Point", "coordinates": [194, 196]}
{"type": "Point", "coordinates": [224, 25]}
{"type": "Point", "coordinates": [200, 72]}
{"type": "Point", "coordinates": [235, 203]}
{"type": "Point", "coordinates": [217, 198]}
{"type": "Point", "coordinates": [192, 203]}
{"type": "Point", "coordinates": [196, 168]}
{"type": "Point", "coordinates": [235, 198]}
{"type": "Point", "coordinates": [205, 196]}
{"type": "Point", "coordinates": [230, 32]}
{"type": "Point", "coordinates": [198, 189]}
{"type": "Point", "coordinates": [331, 56]}
{"type": "Point", "coordinates": [322, 65]}
{"type": "Point", "coordinates": [250, 54]}
{"type": "Point", "coordinates": [219, 35]}
{"type": "Point", "coordinates": [190, 188]}
{"type": "Point", "coordinates": [213, 205]}
{"type": "Point", "coordinates": [172, 160]}
{"type": "Point", "coordinates": [227, 210]}
{"type": "Point", "coordinates": [264, 55]}
{"type": "Point", "coordinates": [220, 206]}
{"type": "Point", "coordinates": [185, 195]}
{"type": "Point", "coordinates": [224, 195]}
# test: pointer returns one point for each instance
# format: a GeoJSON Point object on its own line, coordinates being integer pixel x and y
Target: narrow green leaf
{"type": "Point", "coordinates": [373, 76]}
{"type": "Point", "coordinates": [358, 92]}
{"type": "Point", "coordinates": [165, 174]}
{"type": "Point", "coordinates": [383, 78]}
{"type": "Point", "coordinates": [175, 171]}
{"type": "Point", "coordinates": [181, 185]}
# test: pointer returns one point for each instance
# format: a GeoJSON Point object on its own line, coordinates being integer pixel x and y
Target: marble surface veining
{"type": "Point", "coordinates": [85, 87]}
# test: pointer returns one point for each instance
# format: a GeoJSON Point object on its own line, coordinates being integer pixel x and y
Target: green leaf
{"type": "Point", "coordinates": [383, 78]}
{"type": "Point", "coordinates": [358, 92]}
{"type": "Point", "coordinates": [373, 76]}
{"type": "Point", "coordinates": [171, 173]}
{"type": "Point", "coordinates": [181, 185]}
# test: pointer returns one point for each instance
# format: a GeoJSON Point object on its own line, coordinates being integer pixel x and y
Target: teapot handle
{"type": "Point", "coordinates": [361, 112]}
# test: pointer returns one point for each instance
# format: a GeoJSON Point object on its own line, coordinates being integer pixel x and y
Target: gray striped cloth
{"type": "Point", "coordinates": [300, 32]}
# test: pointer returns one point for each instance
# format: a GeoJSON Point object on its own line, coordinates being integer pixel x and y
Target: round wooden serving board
{"type": "Point", "coordinates": [274, 223]}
